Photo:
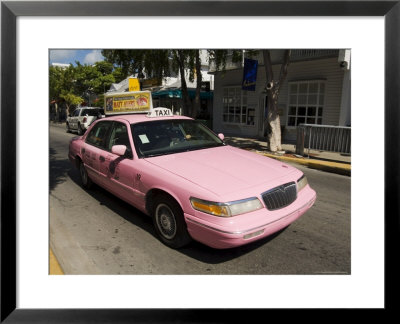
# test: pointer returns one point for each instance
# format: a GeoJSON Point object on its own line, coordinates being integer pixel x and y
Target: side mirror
{"type": "Point", "coordinates": [221, 136]}
{"type": "Point", "coordinates": [119, 150]}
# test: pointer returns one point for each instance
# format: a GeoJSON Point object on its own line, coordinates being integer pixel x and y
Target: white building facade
{"type": "Point", "coordinates": [316, 91]}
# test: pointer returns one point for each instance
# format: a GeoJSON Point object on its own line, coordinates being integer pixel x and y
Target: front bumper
{"type": "Point", "coordinates": [243, 229]}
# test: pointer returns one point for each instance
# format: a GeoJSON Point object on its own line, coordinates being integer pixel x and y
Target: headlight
{"type": "Point", "coordinates": [229, 209]}
{"type": "Point", "coordinates": [301, 183]}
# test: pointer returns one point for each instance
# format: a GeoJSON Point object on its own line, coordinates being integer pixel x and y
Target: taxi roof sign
{"type": "Point", "coordinates": [127, 102]}
{"type": "Point", "coordinates": [160, 112]}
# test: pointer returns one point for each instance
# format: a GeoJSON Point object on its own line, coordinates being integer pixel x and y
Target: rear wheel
{"type": "Point", "coordinates": [85, 180]}
{"type": "Point", "coordinates": [169, 222]}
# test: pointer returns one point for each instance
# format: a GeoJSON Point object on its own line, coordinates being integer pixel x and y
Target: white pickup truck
{"type": "Point", "coordinates": [82, 117]}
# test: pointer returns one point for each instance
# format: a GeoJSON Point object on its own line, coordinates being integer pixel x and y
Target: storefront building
{"type": "Point", "coordinates": [315, 91]}
{"type": "Point", "coordinates": [172, 98]}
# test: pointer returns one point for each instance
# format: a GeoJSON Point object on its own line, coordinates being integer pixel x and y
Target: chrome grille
{"type": "Point", "coordinates": [281, 196]}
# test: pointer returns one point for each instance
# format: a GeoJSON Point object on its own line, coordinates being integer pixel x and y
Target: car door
{"type": "Point", "coordinates": [94, 149]}
{"type": "Point", "coordinates": [119, 173]}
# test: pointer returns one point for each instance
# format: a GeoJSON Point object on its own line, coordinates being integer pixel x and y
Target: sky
{"type": "Point", "coordinates": [68, 56]}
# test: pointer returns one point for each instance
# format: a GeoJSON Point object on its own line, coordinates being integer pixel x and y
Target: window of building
{"type": "Point", "coordinates": [235, 107]}
{"type": "Point", "coordinates": [306, 102]}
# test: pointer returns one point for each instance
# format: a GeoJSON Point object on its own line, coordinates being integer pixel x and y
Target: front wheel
{"type": "Point", "coordinates": [169, 222]}
{"type": "Point", "coordinates": [67, 128]}
{"type": "Point", "coordinates": [85, 180]}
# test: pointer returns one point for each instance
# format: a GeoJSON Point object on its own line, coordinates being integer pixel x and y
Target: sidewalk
{"type": "Point", "coordinates": [321, 160]}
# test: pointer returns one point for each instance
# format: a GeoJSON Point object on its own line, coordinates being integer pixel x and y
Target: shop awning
{"type": "Point", "coordinates": [177, 93]}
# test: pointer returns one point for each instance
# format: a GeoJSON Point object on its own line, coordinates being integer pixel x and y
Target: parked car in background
{"type": "Point", "coordinates": [82, 117]}
{"type": "Point", "coordinates": [188, 180]}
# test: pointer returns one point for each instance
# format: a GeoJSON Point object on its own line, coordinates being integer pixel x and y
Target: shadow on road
{"type": "Point", "coordinates": [209, 255]}
{"type": "Point", "coordinates": [58, 169]}
{"type": "Point", "coordinates": [194, 250]}
{"type": "Point", "coordinates": [247, 144]}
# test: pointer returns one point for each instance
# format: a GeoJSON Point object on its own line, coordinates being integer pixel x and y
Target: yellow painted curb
{"type": "Point", "coordinates": [55, 268]}
{"type": "Point", "coordinates": [340, 168]}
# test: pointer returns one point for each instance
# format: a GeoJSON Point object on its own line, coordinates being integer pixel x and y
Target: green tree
{"type": "Point", "coordinates": [107, 75]}
{"type": "Point", "coordinates": [71, 85]}
{"type": "Point", "coordinates": [62, 87]}
{"type": "Point", "coordinates": [104, 67]}
{"type": "Point", "coordinates": [180, 59]}
{"type": "Point", "coordinates": [71, 100]}
{"type": "Point", "coordinates": [273, 86]}
{"type": "Point", "coordinates": [87, 80]}
{"type": "Point", "coordinates": [55, 87]}
{"type": "Point", "coordinates": [160, 64]}
{"type": "Point", "coordinates": [189, 61]}
{"type": "Point", "coordinates": [95, 80]}
{"type": "Point", "coordinates": [55, 82]}
{"type": "Point", "coordinates": [118, 74]}
{"type": "Point", "coordinates": [123, 59]}
{"type": "Point", "coordinates": [143, 63]}
{"type": "Point", "coordinates": [199, 78]}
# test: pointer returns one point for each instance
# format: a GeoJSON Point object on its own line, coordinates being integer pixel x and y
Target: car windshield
{"type": "Point", "coordinates": [172, 136]}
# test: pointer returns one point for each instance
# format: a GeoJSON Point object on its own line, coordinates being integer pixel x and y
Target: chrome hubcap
{"type": "Point", "coordinates": [165, 221]}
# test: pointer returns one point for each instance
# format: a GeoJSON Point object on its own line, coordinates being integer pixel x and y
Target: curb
{"type": "Point", "coordinates": [54, 266]}
{"type": "Point", "coordinates": [334, 167]}
{"type": "Point", "coordinates": [57, 124]}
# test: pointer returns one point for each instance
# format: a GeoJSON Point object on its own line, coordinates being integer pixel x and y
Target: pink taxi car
{"type": "Point", "coordinates": [189, 181]}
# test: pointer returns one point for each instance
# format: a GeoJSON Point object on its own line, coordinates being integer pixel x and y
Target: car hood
{"type": "Point", "coordinates": [224, 169]}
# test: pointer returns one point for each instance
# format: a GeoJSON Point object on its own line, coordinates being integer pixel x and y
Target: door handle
{"type": "Point", "coordinates": [101, 158]}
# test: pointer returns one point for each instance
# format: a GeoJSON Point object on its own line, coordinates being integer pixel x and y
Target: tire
{"type": "Point", "coordinates": [169, 222]}
{"type": "Point", "coordinates": [67, 128]}
{"type": "Point", "coordinates": [85, 180]}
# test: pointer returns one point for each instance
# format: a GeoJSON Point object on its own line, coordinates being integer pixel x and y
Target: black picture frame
{"type": "Point", "coordinates": [10, 10]}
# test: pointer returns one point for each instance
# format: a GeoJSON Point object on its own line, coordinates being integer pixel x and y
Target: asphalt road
{"type": "Point", "coordinates": [94, 232]}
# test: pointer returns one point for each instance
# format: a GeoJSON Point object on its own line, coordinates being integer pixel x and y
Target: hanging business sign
{"type": "Point", "coordinates": [134, 84]}
{"type": "Point", "coordinates": [249, 74]}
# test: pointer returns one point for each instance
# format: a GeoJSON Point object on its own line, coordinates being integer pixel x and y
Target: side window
{"type": "Point", "coordinates": [76, 113]}
{"type": "Point", "coordinates": [119, 136]}
{"type": "Point", "coordinates": [98, 134]}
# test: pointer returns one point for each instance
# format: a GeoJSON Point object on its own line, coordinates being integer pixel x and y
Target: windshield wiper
{"type": "Point", "coordinates": [182, 150]}
{"type": "Point", "coordinates": [155, 154]}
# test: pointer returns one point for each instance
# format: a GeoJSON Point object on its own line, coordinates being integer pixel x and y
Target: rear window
{"type": "Point", "coordinates": [92, 112]}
